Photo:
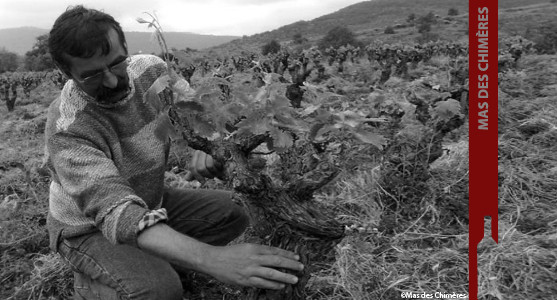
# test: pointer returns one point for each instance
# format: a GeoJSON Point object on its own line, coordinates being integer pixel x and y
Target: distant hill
{"type": "Point", "coordinates": [142, 41]}
{"type": "Point", "coordinates": [22, 39]}
{"type": "Point", "coordinates": [19, 40]}
{"type": "Point", "coordinates": [368, 20]}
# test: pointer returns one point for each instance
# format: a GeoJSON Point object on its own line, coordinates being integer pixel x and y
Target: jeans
{"type": "Point", "coordinates": [106, 271]}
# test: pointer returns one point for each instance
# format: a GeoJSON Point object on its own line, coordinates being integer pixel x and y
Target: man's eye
{"type": "Point", "coordinates": [122, 61]}
{"type": "Point", "coordinates": [91, 75]}
{"type": "Point", "coordinates": [116, 64]}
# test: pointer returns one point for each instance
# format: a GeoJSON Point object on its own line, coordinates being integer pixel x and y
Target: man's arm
{"type": "Point", "coordinates": [243, 264]}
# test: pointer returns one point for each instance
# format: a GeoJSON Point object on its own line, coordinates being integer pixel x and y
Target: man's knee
{"type": "Point", "coordinates": [152, 284]}
{"type": "Point", "coordinates": [168, 286]}
{"type": "Point", "coordinates": [234, 223]}
{"type": "Point", "coordinates": [241, 220]}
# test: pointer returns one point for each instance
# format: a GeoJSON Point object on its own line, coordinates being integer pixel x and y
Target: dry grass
{"type": "Point", "coordinates": [420, 258]}
{"type": "Point", "coordinates": [50, 276]}
{"type": "Point", "coordinates": [524, 264]}
{"type": "Point", "coordinates": [428, 253]}
{"type": "Point", "coordinates": [521, 266]}
{"type": "Point", "coordinates": [373, 265]}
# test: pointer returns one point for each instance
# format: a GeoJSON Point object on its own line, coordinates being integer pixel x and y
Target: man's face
{"type": "Point", "coordinates": [103, 77]}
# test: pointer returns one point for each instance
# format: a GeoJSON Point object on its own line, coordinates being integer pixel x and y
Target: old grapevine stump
{"type": "Point", "coordinates": [284, 215]}
{"type": "Point", "coordinates": [281, 221]}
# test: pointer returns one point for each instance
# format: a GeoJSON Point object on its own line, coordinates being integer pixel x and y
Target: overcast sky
{"type": "Point", "coordinates": [218, 17]}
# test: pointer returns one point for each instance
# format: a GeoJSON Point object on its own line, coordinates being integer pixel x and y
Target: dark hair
{"type": "Point", "coordinates": [79, 32]}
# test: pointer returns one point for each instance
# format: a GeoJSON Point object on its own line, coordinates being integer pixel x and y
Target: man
{"type": "Point", "coordinates": [110, 217]}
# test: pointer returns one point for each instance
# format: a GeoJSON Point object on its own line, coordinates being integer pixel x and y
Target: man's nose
{"type": "Point", "coordinates": [109, 80]}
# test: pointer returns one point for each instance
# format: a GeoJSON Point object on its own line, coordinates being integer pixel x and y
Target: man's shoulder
{"type": "Point", "coordinates": [146, 61]}
{"type": "Point", "coordinates": [54, 103]}
{"type": "Point", "coordinates": [64, 110]}
{"type": "Point", "coordinates": [150, 57]}
{"type": "Point", "coordinates": [146, 65]}
{"type": "Point", "coordinates": [53, 108]}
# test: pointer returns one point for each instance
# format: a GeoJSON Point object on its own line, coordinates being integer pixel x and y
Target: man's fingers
{"type": "Point", "coordinates": [203, 165]}
{"type": "Point", "coordinates": [195, 155]}
{"type": "Point", "coordinates": [276, 261]}
{"type": "Point", "coordinates": [255, 265]}
{"type": "Point", "coordinates": [275, 275]}
{"type": "Point", "coordinates": [262, 283]}
{"type": "Point", "coordinates": [267, 250]}
{"type": "Point", "coordinates": [213, 166]}
{"type": "Point", "coordinates": [189, 176]}
{"type": "Point", "coordinates": [200, 167]}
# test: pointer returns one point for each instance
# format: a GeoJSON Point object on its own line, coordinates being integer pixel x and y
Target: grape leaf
{"type": "Point", "coordinates": [142, 21]}
{"type": "Point", "coordinates": [183, 88]}
{"type": "Point", "coordinates": [290, 122]}
{"type": "Point", "coordinates": [234, 110]}
{"type": "Point", "coordinates": [206, 93]}
{"type": "Point", "coordinates": [189, 106]}
{"type": "Point", "coordinates": [158, 86]}
{"type": "Point", "coordinates": [244, 95]}
{"type": "Point", "coordinates": [256, 123]}
{"type": "Point", "coordinates": [323, 115]}
{"type": "Point", "coordinates": [314, 130]}
{"type": "Point", "coordinates": [278, 102]}
{"type": "Point", "coordinates": [281, 140]}
{"type": "Point", "coordinates": [166, 129]}
{"type": "Point", "coordinates": [310, 109]}
{"type": "Point", "coordinates": [226, 115]}
{"type": "Point", "coordinates": [370, 138]}
{"type": "Point", "coordinates": [351, 118]}
{"type": "Point", "coordinates": [320, 135]}
{"type": "Point", "coordinates": [445, 110]}
{"type": "Point", "coordinates": [201, 127]}
{"type": "Point", "coordinates": [261, 94]}
{"type": "Point", "coordinates": [219, 80]}
{"type": "Point", "coordinates": [348, 119]}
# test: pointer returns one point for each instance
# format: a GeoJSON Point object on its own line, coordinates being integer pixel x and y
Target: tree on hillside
{"type": "Point", "coordinates": [544, 37]}
{"type": "Point", "coordinates": [424, 27]}
{"type": "Point", "coordinates": [270, 48]}
{"type": "Point", "coordinates": [299, 39]}
{"type": "Point", "coordinates": [8, 61]}
{"type": "Point", "coordinates": [453, 12]}
{"type": "Point", "coordinates": [338, 36]}
{"type": "Point", "coordinates": [389, 30]}
{"type": "Point", "coordinates": [424, 22]}
{"type": "Point", "coordinates": [38, 59]}
{"type": "Point", "coordinates": [411, 18]}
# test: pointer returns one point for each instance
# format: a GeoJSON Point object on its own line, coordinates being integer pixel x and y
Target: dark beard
{"type": "Point", "coordinates": [111, 96]}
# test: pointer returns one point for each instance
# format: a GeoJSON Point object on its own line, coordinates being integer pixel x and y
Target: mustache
{"type": "Point", "coordinates": [105, 94]}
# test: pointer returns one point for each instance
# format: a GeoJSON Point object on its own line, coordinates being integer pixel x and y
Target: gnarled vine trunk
{"type": "Point", "coordinates": [284, 216]}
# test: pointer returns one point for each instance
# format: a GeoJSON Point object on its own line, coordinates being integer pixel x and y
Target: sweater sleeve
{"type": "Point", "coordinates": [92, 182]}
{"type": "Point", "coordinates": [153, 217]}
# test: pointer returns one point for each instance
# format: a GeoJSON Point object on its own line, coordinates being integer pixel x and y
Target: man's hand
{"type": "Point", "coordinates": [203, 166]}
{"type": "Point", "coordinates": [252, 265]}
{"type": "Point", "coordinates": [244, 264]}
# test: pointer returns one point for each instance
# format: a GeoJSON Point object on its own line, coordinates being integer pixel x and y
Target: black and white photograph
{"type": "Point", "coordinates": [278, 150]}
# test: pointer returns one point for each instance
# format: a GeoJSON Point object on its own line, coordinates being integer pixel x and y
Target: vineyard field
{"type": "Point", "coordinates": [370, 145]}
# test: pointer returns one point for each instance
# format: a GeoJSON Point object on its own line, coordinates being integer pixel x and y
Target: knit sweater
{"type": "Point", "coordinates": [106, 162]}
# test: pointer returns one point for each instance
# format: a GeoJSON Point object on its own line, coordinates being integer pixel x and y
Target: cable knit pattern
{"type": "Point", "coordinates": [107, 165]}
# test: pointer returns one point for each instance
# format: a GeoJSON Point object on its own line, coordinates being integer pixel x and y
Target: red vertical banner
{"type": "Point", "coordinates": [483, 100]}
